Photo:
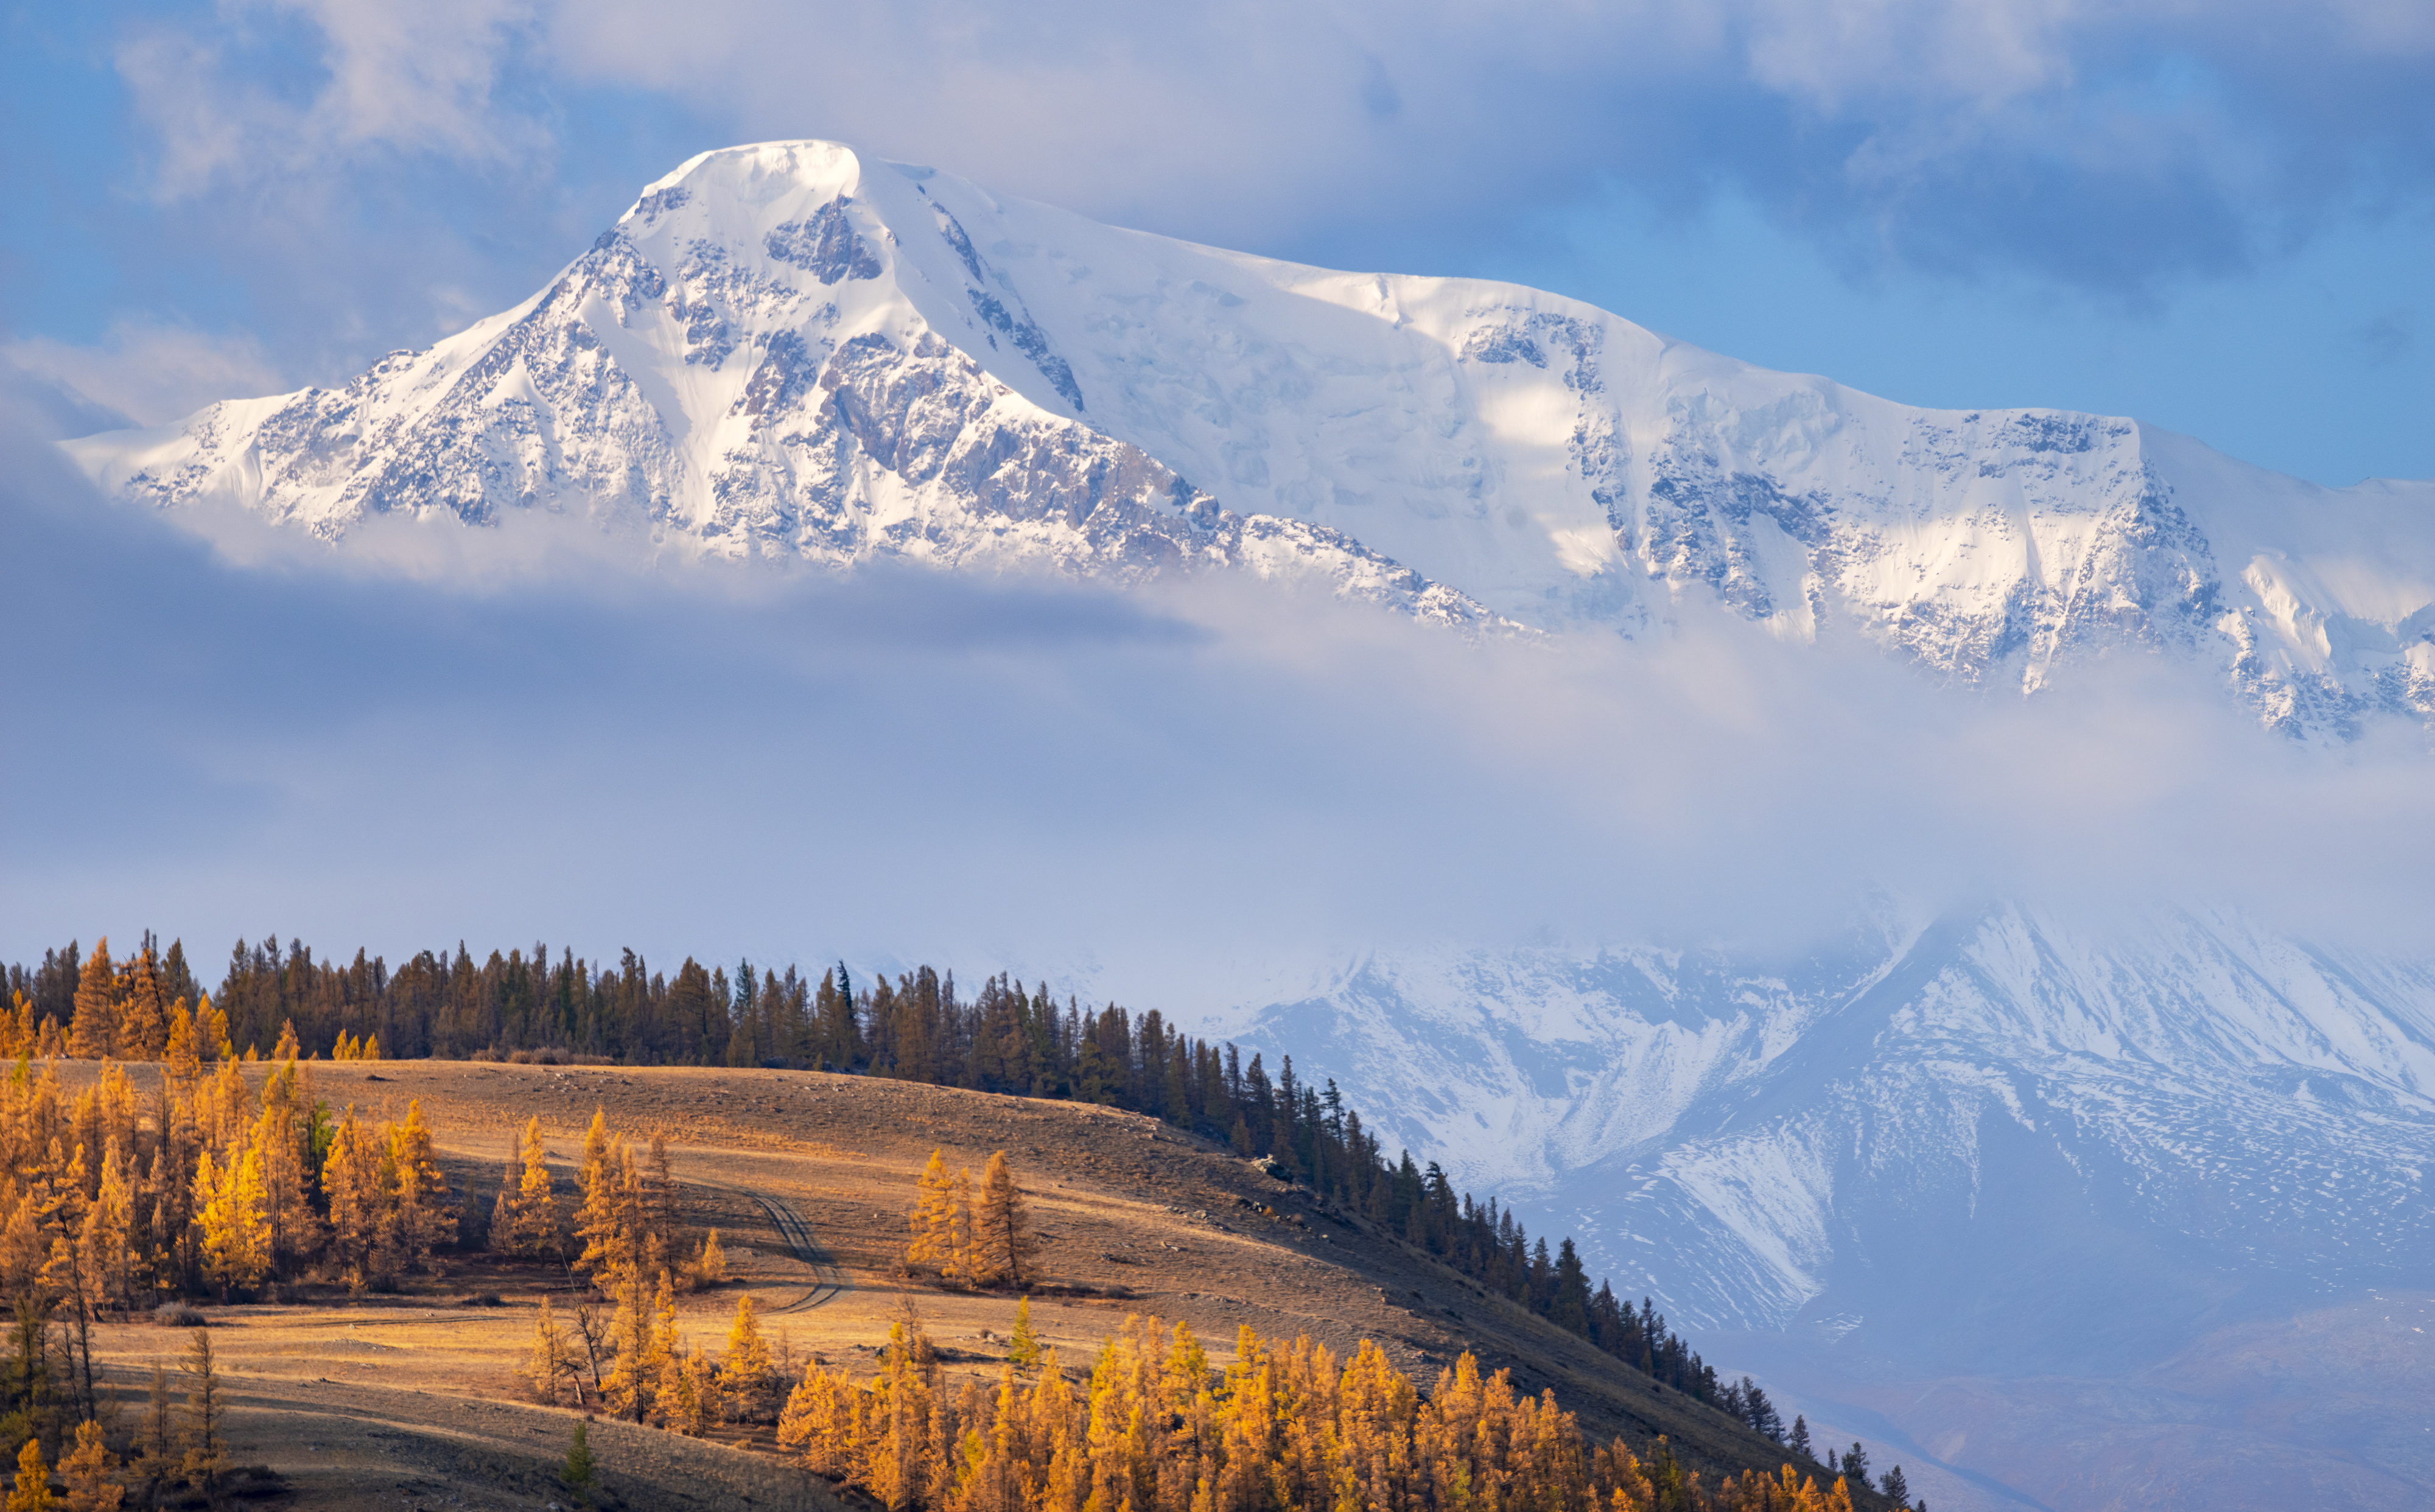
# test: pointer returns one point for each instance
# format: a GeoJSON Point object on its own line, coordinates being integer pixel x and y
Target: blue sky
{"type": "Point", "coordinates": [2220, 219]}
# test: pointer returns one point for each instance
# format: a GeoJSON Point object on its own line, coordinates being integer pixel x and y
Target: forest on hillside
{"type": "Point", "coordinates": [1001, 1038]}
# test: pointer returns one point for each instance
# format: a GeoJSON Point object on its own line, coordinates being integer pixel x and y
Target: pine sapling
{"type": "Point", "coordinates": [1023, 1348]}
{"type": "Point", "coordinates": [577, 1474]}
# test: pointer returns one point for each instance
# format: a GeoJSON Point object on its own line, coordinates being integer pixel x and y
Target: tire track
{"type": "Point", "coordinates": [830, 1282]}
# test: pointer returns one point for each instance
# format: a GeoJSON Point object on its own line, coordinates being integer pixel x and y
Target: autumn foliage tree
{"type": "Point", "coordinates": [966, 1238]}
{"type": "Point", "coordinates": [526, 1218]}
{"type": "Point", "coordinates": [1288, 1425]}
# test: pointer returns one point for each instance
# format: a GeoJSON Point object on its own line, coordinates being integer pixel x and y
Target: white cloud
{"type": "Point", "coordinates": [418, 79]}
{"type": "Point", "coordinates": [150, 372]}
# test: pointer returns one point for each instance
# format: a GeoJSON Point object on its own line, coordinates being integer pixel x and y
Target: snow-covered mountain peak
{"type": "Point", "coordinates": [787, 350]}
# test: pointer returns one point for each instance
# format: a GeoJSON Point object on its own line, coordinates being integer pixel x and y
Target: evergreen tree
{"type": "Point", "coordinates": [1897, 1489]}
{"type": "Point", "coordinates": [577, 1474]}
{"type": "Point", "coordinates": [1799, 1442]}
{"type": "Point", "coordinates": [1022, 1346]}
{"type": "Point", "coordinates": [1569, 1307]}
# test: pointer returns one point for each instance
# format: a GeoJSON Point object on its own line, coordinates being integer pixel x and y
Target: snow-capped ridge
{"type": "Point", "coordinates": [787, 350]}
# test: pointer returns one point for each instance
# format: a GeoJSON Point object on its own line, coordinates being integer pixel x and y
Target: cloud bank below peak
{"type": "Point", "coordinates": [1196, 790]}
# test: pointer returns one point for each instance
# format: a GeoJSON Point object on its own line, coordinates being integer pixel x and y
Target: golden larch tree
{"type": "Point", "coordinates": [229, 1203]}
{"type": "Point", "coordinates": [93, 1025]}
{"type": "Point", "coordinates": [934, 1221]}
{"type": "Point", "coordinates": [425, 1217]}
{"type": "Point", "coordinates": [525, 1219]}
{"type": "Point", "coordinates": [1002, 1241]}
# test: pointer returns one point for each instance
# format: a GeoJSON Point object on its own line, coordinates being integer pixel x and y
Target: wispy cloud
{"type": "Point", "coordinates": [266, 88]}
{"type": "Point", "coordinates": [147, 374]}
{"type": "Point", "coordinates": [2109, 147]}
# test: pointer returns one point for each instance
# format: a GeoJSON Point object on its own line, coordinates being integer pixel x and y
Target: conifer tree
{"type": "Point", "coordinates": [659, 1212]}
{"type": "Point", "coordinates": [1002, 1241]}
{"type": "Point", "coordinates": [205, 1451]}
{"type": "Point", "coordinates": [32, 1493]}
{"type": "Point", "coordinates": [74, 1277]}
{"type": "Point", "coordinates": [281, 1135]}
{"type": "Point", "coordinates": [661, 1368]}
{"type": "Point", "coordinates": [212, 1031]}
{"type": "Point", "coordinates": [547, 1362]}
{"type": "Point", "coordinates": [709, 1267]}
{"type": "Point", "coordinates": [185, 1065]}
{"type": "Point", "coordinates": [701, 1403]}
{"type": "Point", "coordinates": [933, 1219]}
{"type": "Point", "coordinates": [961, 1262]}
{"type": "Point", "coordinates": [635, 1369]}
{"type": "Point", "coordinates": [141, 1026]}
{"type": "Point", "coordinates": [577, 1474]}
{"type": "Point", "coordinates": [355, 1189]}
{"type": "Point", "coordinates": [425, 1217]}
{"type": "Point", "coordinates": [1855, 1466]}
{"type": "Point", "coordinates": [158, 1416]}
{"type": "Point", "coordinates": [90, 1471]}
{"type": "Point", "coordinates": [110, 1229]}
{"type": "Point", "coordinates": [1022, 1346]}
{"type": "Point", "coordinates": [92, 1033]}
{"type": "Point", "coordinates": [525, 1222]}
{"type": "Point", "coordinates": [228, 1204]}
{"type": "Point", "coordinates": [597, 1219]}
{"type": "Point", "coordinates": [746, 1370]}
{"type": "Point", "coordinates": [1799, 1442]}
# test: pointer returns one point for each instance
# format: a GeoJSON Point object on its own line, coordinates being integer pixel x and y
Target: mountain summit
{"type": "Point", "coordinates": [787, 350]}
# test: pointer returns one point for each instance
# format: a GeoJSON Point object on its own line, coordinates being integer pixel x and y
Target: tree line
{"type": "Point", "coordinates": [1002, 1037]}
